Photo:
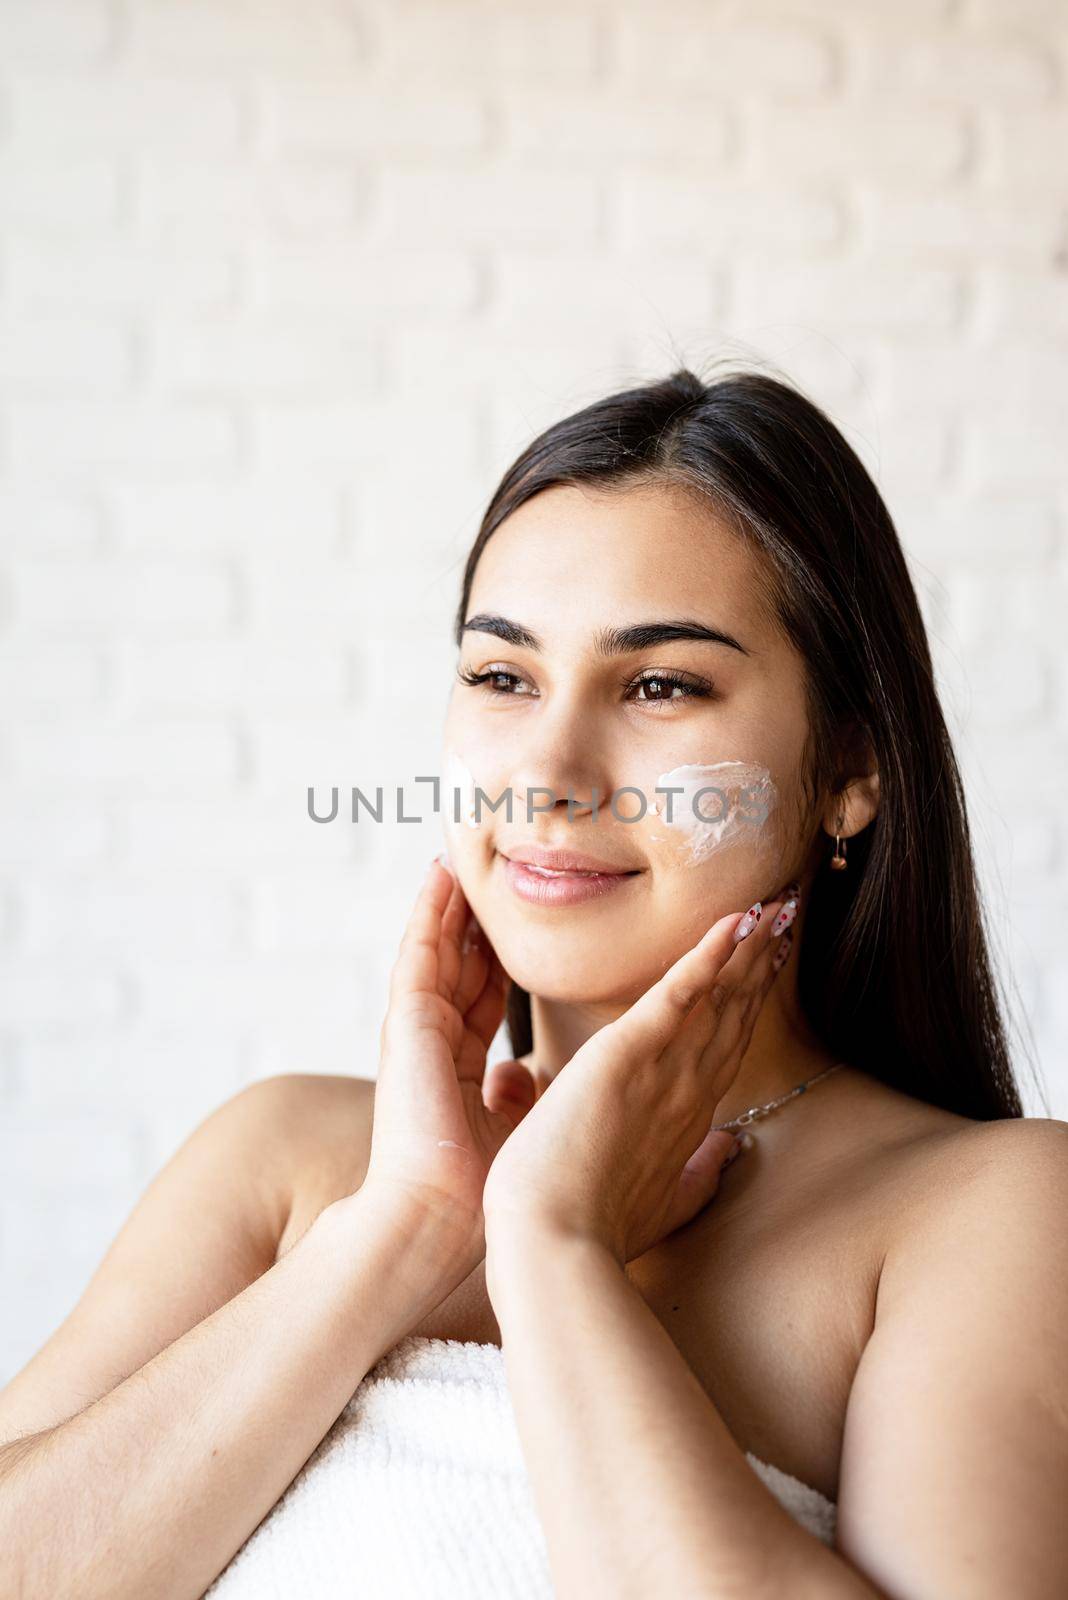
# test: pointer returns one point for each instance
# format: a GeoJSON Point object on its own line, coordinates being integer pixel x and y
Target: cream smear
{"type": "Point", "coordinates": [458, 780]}
{"type": "Point", "coordinates": [719, 804]}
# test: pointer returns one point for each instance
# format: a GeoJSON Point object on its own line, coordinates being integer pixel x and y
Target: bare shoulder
{"type": "Point", "coordinates": [961, 1391]}
{"type": "Point", "coordinates": [926, 1177]}
{"type": "Point", "coordinates": [984, 1188]}
{"type": "Point", "coordinates": [305, 1099]}
{"type": "Point", "coordinates": [1012, 1144]}
{"type": "Point", "coordinates": [278, 1132]}
{"type": "Point", "coordinates": [301, 1129]}
{"type": "Point", "coordinates": [1008, 1153]}
{"type": "Point", "coordinates": [328, 1119]}
{"type": "Point", "coordinates": [207, 1226]}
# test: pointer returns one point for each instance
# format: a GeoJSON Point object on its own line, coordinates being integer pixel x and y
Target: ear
{"type": "Point", "coordinates": [855, 801]}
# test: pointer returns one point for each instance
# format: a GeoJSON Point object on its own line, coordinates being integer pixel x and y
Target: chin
{"type": "Point", "coordinates": [582, 981]}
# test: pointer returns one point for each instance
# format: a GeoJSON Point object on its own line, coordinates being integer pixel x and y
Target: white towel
{"type": "Point", "coordinates": [419, 1491]}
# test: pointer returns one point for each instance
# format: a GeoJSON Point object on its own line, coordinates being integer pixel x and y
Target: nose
{"type": "Point", "coordinates": [562, 759]}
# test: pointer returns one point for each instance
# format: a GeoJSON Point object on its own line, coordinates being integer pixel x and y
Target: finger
{"type": "Point", "coordinates": [486, 1012]}
{"type": "Point", "coordinates": [722, 1039]}
{"type": "Point", "coordinates": [416, 966]}
{"type": "Point", "coordinates": [509, 1087]}
{"type": "Point", "coordinates": [653, 1020]}
{"type": "Point", "coordinates": [782, 954]}
{"type": "Point", "coordinates": [703, 1011]}
{"type": "Point", "coordinates": [755, 964]}
{"type": "Point", "coordinates": [722, 1021]}
{"type": "Point", "coordinates": [788, 912]}
{"type": "Point", "coordinates": [454, 921]}
{"type": "Point", "coordinates": [699, 1179]}
{"type": "Point", "coordinates": [748, 942]}
{"type": "Point", "coordinates": [750, 965]}
{"type": "Point", "coordinates": [474, 964]}
{"type": "Point", "coordinates": [455, 916]}
{"type": "Point", "coordinates": [430, 950]}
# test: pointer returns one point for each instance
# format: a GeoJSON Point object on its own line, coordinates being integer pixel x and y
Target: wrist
{"type": "Point", "coordinates": [421, 1257]}
{"type": "Point", "coordinates": [535, 1232]}
{"type": "Point", "coordinates": [521, 1253]}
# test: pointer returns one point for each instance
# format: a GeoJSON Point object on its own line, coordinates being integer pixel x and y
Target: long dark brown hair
{"type": "Point", "coordinates": [895, 975]}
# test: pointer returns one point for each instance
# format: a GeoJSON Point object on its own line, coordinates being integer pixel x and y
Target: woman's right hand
{"type": "Point", "coordinates": [433, 1137]}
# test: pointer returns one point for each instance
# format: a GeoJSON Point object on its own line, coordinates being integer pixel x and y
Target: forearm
{"type": "Point", "coordinates": [639, 1485]}
{"type": "Point", "coordinates": [150, 1490]}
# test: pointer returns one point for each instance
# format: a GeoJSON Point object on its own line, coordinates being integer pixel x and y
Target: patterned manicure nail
{"type": "Point", "coordinates": [786, 915]}
{"type": "Point", "coordinates": [748, 922]}
{"type": "Point", "coordinates": [778, 960]}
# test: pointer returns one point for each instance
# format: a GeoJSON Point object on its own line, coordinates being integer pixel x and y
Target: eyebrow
{"type": "Point", "coordinates": [609, 641]}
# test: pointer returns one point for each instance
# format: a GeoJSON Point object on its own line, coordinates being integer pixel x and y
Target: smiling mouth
{"type": "Point", "coordinates": [565, 872]}
{"type": "Point", "coordinates": [563, 884]}
{"type": "Point", "coordinates": [552, 863]}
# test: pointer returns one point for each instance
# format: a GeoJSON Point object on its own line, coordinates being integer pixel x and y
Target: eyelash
{"type": "Point", "coordinates": [693, 688]}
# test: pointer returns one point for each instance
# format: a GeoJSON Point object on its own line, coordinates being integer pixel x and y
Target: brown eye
{"type": "Point", "coordinates": [497, 680]}
{"type": "Point", "coordinates": [659, 688]}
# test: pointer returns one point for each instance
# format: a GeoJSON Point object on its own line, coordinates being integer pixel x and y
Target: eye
{"type": "Point", "coordinates": [497, 680]}
{"type": "Point", "coordinates": [501, 682]}
{"type": "Point", "coordinates": [659, 688]}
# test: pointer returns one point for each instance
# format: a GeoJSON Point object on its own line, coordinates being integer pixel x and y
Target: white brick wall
{"type": "Point", "coordinates": [282, 288]}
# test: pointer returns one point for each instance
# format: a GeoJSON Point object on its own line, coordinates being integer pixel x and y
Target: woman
{"type": "Point", "coordinates": [837, 1366]}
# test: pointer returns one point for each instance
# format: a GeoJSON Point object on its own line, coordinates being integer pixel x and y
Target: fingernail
{"type": "Point", "coordinates": [779, 958]}
{"type": "Point", "coordinates": [786, 915]}
{"type": "Point", "coordinates": [742, 1141]}
{"type": "Point", "coordinates": [748, 922]}
{"type": "Point", "coordinates": [472, 933]}
{"type": "Point", "coordinates": [793, 890]}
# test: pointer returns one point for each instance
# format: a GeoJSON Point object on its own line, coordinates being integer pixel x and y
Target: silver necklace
{"type": "Point", "coordinates": [762, 1111]}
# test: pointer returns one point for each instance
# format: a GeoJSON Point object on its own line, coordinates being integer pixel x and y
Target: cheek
{"type": "Point", "coordinates": [458, 784]}
{"type": "Point", "coordinates": [465, 768]}
{"type": "Point", "coordinates": [719, 807]}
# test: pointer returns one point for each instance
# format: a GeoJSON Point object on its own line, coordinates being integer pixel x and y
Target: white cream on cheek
{"type": "Point", "coordinates": [715, 804]}
{"type": "Point", "coordinates": [457, 777]}
{"type": "Point", "coordinates": [744, 797]}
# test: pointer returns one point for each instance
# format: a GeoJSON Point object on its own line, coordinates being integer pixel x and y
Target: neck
{"type": "Point", "coordinates": [782, 1052]}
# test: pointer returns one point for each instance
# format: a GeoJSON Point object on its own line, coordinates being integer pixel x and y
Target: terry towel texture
{"type": "Point", "coordinates": [420, 1492]}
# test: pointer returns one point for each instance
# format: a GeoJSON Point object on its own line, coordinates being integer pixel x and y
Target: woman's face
{"type": "Point", "coordinates": [575, 622]}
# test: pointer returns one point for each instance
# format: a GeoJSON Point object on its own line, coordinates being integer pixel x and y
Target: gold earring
{"type": "Point", "coordinates": [838, 860]}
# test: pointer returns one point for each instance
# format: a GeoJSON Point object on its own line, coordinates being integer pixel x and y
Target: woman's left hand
{"type": "Point", "coordinates": [618, 1150]}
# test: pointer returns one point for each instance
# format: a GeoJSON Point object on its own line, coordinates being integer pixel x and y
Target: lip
{"type": "Point", "coordinates": [553, 860]}
{"type": "Point", "coordinates": [548, 877]}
